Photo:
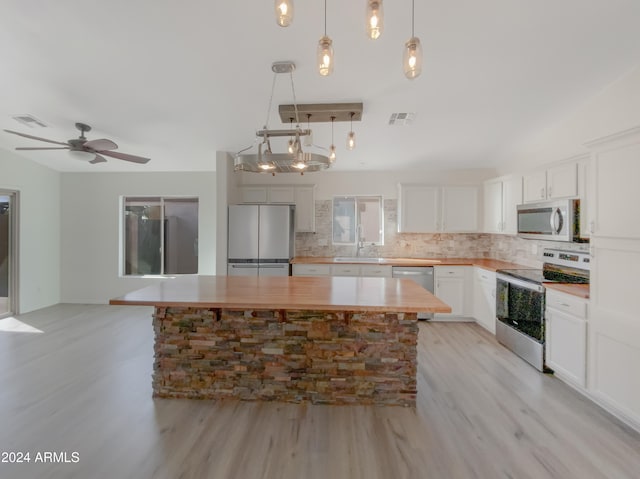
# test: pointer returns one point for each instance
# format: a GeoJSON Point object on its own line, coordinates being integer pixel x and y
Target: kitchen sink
{"type": "Point", "coordinates": [357, 259]}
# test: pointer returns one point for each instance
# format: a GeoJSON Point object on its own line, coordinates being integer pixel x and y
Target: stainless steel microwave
{"type": "Point", "coordinates": [557, 220]}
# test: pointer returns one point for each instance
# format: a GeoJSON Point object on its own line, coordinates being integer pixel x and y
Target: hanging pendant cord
{"type": "Point", "coordinates": [273, 87]}
{"type": "Point", "coordinates": [413, 16]}
{"type": "Point", "coordinates": [325, 18]}
{"type": "Point", "coordinates": [295, 102]}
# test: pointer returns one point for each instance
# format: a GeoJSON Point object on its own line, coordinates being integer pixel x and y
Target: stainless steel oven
{"type": "Point", "coordinates": [520, 301]}
{"type": "Point", "coordinates": [520, 315]}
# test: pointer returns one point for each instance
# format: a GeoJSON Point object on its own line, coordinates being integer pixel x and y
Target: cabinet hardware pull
{"type": "Point", "coordinates": [549, 192]}
{"type": "Point", "coordinates": [541, 192]}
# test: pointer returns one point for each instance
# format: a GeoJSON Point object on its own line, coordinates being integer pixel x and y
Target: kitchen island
{"type": "Point", "coordinates": [339, 340]}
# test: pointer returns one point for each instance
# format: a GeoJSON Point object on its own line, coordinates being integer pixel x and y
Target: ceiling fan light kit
{"type": "Point", "coordinates": [93, 151]}
{"type": "Point", "coordinates": [374, 26]}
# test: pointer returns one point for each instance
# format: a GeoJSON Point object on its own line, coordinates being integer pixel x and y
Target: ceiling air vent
{"type": "Point", "coordinates": [30, 121]}
{"type": "Point", "coordinates": [401, 118]}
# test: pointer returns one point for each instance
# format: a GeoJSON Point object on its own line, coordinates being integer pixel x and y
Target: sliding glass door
{"type": "Point", "coordinates": [8, 252]}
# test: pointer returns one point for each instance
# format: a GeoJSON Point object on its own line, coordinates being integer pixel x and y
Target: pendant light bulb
{"type": "Point", "coordinates": [412, 57]}
{"type": "Point", "coordinates": [284, 12]}
{"type": "Point", "coordinates": [324, 55]}
{"type": "Point", "coordinates": [374, 19]}
{"type": "Point", "coordinates": [351, 137]}
{"type": "Point", "coordinates": [332, 148]}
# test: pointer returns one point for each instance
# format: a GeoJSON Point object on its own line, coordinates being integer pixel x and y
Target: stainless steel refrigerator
{"type": "Point", "coordinates": [261, 240]}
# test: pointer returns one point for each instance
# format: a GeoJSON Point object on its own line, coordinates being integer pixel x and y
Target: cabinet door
{"type": "Point", "coordinates": [305, 209]}
{"type": "Point", "coordinates": [535, 187]}
{"type": "Point", "coordinates": [419, 206]}
{"type": "Point", "coordinates": [345, 270]}
{"type": "Point", "coordinates": [493, 207]}
{"type": "Point", "coordinates": [459, 209]}
{"type": "Point", "coordinates": [254, 194]}
{"type": "Point", "coordinates": [512, 197]}
{"type": "Point", "coordinates": [375, 271]}
{"type": "Point", "coordinates": [451, 291]}
{"type": "Point", "coordinates": [281, 194]}
{"type": "Point", "coordinates": [566, 346]}
{"type": "Point", "coordinates": [484, 299]}
{"type": "Point", "coordinates": [615, 187]}
{"type": "Point", "coordinates": [562, 181]}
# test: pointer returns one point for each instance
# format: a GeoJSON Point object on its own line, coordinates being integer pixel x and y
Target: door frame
{"type": "Point", "coordinates": [14, 243]}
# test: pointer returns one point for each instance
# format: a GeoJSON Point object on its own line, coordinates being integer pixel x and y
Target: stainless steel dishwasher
{"type": "Point", "coordinates": [423, 275]}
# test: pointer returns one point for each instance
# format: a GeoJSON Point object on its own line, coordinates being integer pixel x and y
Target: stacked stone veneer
{"type": "Point", "coordinates": [293, 356]}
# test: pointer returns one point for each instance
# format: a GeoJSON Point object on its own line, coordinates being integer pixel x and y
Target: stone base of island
{"type": "Point", "coordinates": [333, 340]}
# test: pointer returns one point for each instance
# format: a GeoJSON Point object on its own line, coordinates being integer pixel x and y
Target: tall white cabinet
{"type": "Point", "coordinates": [614, 323]}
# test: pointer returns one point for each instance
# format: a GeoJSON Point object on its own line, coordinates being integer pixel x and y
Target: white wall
{"type": "Point", "coordinates": [91, 228]}
{"type": "Point", "coordinates": [615, 109]}
{"type": "Point", "coordinates": [39, 229]}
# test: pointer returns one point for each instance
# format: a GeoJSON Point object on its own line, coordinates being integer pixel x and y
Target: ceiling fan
{"type": "Point", "coordinates": [99, 148]}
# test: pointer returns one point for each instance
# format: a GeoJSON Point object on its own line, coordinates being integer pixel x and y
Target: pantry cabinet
{"type": "Point", "coordinates": [437, 209]}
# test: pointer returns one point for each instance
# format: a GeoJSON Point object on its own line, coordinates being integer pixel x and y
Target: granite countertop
{"type": "Point", "coordinates": [485, 263]}
{"type": "Point", "coordinates": [579, 290]}
{"type": "Point", "coordinates": [288, 292]}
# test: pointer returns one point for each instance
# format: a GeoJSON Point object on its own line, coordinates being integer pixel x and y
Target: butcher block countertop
{"type": "Point", "coordinates": [579, 290]}
{"type": "Point", "coordinates": [486, 263]}
{"type": "Point", "coordinates": [289, 292]}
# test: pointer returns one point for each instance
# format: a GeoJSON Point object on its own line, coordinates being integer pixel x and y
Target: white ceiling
{"type": "Point", "coordinates": [177, 81]}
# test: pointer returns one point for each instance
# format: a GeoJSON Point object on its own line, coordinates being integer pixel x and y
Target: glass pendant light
{"type": "Point", "coordinates": [351, 137]}
{"type": "Point", "coordinates": [284, 12]}
{"type": "Point", "coordinates": [374, 19]}
{"type": "Point", "coordinates": [412, 58]}
{"type": "Point", "coordinates": [332, 148]}
{"type": "Point", "coordinates": [325, 50]}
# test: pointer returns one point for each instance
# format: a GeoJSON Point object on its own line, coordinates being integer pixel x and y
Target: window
{"type": "Point", "coordinates": [358, 219]}
{"type": "Point", "coordinates": [160, 236]}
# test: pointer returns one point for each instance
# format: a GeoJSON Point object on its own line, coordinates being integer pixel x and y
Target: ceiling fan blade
{"type": "Point", "coordinates": [35, 137]}
{"type": "Point", "coordinates": [99, 145]}
{"type": "Point", "coordinates": [43, 148]}
{"type": "Point", "coordinates": [124, 156]}
{"type": "Point", "coordinates": [98, 159]}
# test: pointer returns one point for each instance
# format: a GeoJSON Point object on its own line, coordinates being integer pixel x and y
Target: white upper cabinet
{"type": "Point", "coordinates": [501, 198]}
{"type": "Point", "coordinates": [559, 181]}
{"type": "Point", "coordinates": [305, 201]}
{"type": "Point", "coordinates": [433, 209]}
{"type": "Point", "coordinates": [459, 209]}
{"type": "Point", "coordinates": [303, 196]}
{"type": "Point", "coordinates": [614, 186]}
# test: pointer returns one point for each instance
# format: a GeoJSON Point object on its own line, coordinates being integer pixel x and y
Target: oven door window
{"type": "Point", "coordinates": [521, 307]}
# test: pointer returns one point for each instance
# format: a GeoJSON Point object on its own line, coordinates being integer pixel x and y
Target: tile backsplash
{"type": "Point", "coordinates": [425, 245]}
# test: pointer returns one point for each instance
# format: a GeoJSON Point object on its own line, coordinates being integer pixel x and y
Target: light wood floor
{"type": "Point", "coordinates": [83, 385]}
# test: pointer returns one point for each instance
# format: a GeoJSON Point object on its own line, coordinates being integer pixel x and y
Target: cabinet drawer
{"type": "Point", "coordinates": [370, 270]}
{"type": "Point", "coordinates": [311, 270]}
{"type": "Point", "coordinates": [567, 303]}
{"type": "Point", "coordinates": [481, 274]}
{"type": "Point", "coordinates": [449, 271]}
{"type": "Point", "coordinates": [345, 270]}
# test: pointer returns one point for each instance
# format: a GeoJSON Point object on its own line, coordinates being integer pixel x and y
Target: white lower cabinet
{"type": "Point", "coordinates": [484, 298]}
{"type": "Point", "coordinates": [453, 285]}
{"type": "Point", "coordinates": [566, 337]}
